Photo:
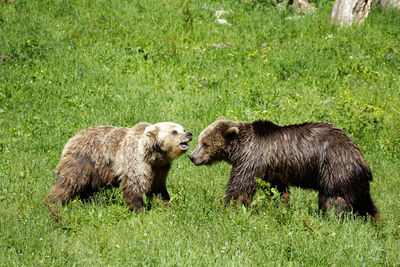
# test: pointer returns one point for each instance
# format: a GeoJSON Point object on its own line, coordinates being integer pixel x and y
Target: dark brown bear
{"type": "Point", "coordinates": [311, 155]}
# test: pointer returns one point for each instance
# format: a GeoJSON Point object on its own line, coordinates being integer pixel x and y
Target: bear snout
{"type": "Point", "coordinates": [190, 136]}
{"type": "Point", "coordinates": [193, 159]}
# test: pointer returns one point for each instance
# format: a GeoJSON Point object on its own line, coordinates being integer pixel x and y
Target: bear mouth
{"type": "Point", "coordinates": [200, 163]}
{"type": "Point", "coordinates": [184, 145]}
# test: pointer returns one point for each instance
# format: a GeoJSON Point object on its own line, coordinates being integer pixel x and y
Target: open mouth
{"type": "Point", "coordinates": [184, 145]}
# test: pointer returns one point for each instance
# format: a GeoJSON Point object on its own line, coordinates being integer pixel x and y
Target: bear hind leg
{"type": "Point", "coordinates": [60, 193]}
{"type": "Point", "coordinates": [338, 203]}
{"type": "Point", "coordinates": [74, 175]}
{"type": "Point", "coordinates": [365, 206]}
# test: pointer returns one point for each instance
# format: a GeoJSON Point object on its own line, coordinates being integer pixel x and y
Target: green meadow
{"type": "Point", "coordinates": [66, 65]}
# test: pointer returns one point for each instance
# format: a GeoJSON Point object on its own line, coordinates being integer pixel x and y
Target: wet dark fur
{"type": "Point", "coordinates": [310, 155]}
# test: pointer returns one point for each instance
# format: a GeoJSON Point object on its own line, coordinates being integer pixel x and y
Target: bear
{"type": "Point", "coordinates": [137, 159]}
{"type": "Point", "coordinates": [311, 155]}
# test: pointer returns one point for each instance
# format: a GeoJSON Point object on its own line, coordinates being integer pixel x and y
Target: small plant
{"type": "Point", "coordinates": [268, 192]}
{"type": "Point", "coordinates": [187, 17]}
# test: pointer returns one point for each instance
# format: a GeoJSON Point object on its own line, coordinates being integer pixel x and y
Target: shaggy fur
{"type": "Point", "coordinates": [310, 155]}
{"type": "Point", "coordinates": [138, 159]}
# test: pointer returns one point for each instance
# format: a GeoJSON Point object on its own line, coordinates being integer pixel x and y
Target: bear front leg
{"type": "Point", "coordinates": [135, 202]}
{"type": "Point", "coordinates": [133, 189]}
{"type": "Point", "coordinates": [241, 186]}
{"type": "Point", "coordinates": [159, 185]}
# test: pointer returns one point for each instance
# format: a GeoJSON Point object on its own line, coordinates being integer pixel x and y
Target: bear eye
{"type": "Point", "coordinates": [174, 132]}
{"type": "Point", "coordinates": [205, 146]}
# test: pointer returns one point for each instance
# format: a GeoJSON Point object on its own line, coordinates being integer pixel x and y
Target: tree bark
{"type": "Point", "coordinates": [347, 12]}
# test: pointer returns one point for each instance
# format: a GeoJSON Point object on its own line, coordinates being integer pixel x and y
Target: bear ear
{"type": "Point", "coordinates": [152, 131]}
{"type": "Point", "coordinates": [231, 132]}
{"type": "Point", "coordinates": [220, 118]}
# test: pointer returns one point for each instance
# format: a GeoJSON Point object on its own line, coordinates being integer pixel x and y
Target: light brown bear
{"type": "Point", "coordinates": [310, 155]}
{"type": "Point", "coordinates": [137, 159]}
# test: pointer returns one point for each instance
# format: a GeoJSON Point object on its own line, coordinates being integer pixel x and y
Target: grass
{"type": "Point", "coordinates": [67, 65]}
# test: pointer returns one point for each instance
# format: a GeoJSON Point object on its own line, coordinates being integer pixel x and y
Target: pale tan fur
{"type": "Point", "coordinates": [138, 159]}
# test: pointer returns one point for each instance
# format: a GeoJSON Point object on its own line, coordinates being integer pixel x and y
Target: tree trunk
{"type": "Point", "coordinates": [347, 12]}
{"type": "Point", "coordinates": [388, 3]}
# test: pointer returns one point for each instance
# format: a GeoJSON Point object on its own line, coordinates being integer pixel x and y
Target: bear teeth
{"type": "Point", "coordinates": [184, 145]}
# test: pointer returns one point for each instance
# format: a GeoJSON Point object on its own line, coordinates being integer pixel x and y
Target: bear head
{"type": "Point", "coordinates": [214, 142]}
{"type": "Point", "coordinates": [170, 138]}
